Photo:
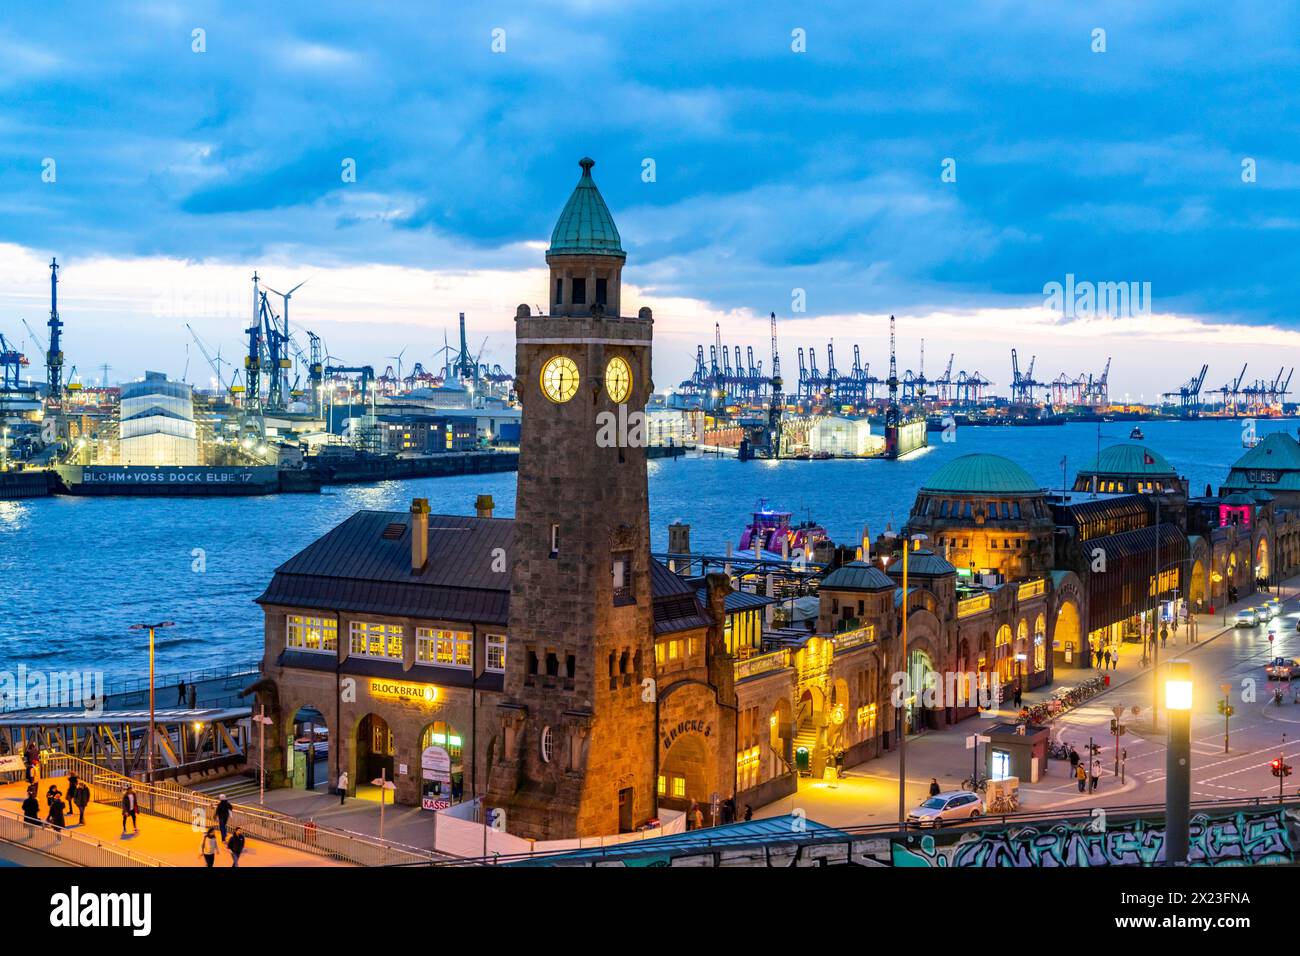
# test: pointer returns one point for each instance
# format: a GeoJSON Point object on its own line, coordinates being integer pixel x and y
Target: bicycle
{"type": "Point", "coordinates": [1002, 803]}
{"type": "Point", "coordinates": [976, 785]}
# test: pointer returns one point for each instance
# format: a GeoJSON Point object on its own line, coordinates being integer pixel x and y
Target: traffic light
{"type": "Point", "coordinates": [1226, 709]}
{"type": "Point", "coordinates": [1279, 768]}
{"type": "Point", "coordinates": [1116, 728]}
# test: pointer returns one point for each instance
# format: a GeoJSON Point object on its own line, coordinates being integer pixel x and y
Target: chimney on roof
{"type": "Point", "coordinates": [419, 534]}
{"type": "Point", "coordinates": [483, 506]}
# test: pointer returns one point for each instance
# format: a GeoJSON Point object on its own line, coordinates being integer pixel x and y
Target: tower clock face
{"type": "Point", "coordinates": [618, 379]}
{"type": "Point", "coordinates": [559, 379]}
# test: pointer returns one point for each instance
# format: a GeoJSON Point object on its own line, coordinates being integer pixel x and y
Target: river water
{"type": "Point", "coordinates": [76, 572]}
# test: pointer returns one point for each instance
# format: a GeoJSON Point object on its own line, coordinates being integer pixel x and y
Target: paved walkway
{"type": "Point", "coordinates": [161, 838]}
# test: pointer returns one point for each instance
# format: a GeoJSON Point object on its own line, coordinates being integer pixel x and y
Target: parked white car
{"type": "Point", "coordinates": [944, 808]}
{"type": "Point", "coordinates": [1247, 617]}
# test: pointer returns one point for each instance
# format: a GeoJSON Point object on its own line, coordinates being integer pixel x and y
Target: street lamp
{"type": "Point", "coordinates": [908, 544]}
{"type": "Point", "coordinates": [384, 785]}
{"type": "Point", "coordinates": [262, 720]}
{"type": "Point", "coordinates": [1020, 673]}
{"type": "Point", "coordinates": [1226, 709]}
{"type": "Point", "coordinates": [1178, 760]}
{"type": "Point", "coordinates": [151, 628]}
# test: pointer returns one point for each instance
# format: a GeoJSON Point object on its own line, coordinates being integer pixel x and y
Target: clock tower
{"type": "Point", "coordinates": [575, 743]}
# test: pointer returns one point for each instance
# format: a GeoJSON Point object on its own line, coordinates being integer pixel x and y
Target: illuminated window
{"type": "Point", "coordinates": [448, 648]}
{"type": "Point", "coordinates": [312, 633]}
{"type": "Point", "coordinates": [679, 787]}
{"type": "Point", "coordinates": [663, 785]}
{"type": "Point", "coordinates": [496, 653]}
{"type": "Point", "coordinates": [369, 639]}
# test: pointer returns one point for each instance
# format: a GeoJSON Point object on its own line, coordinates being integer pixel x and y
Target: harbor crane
{"type": "Point", "coordinates": [11, 363]}
{"type": "Point", "coordinates": [1230, 392]}
{"type": "Point", "coordinates": [1189, 394]}
{"type": "Point", "coordinates": [1097, 392]}
{"type": "Point", "coordinates": [1023, 385]}
{"type": "Point", "coordinates": [214, 363]}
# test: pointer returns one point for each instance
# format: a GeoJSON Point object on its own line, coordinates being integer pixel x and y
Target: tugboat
{"type": "Point", "coordinates": [769, 528]}
{"type": "Point", "coordinates": [1136, 434]}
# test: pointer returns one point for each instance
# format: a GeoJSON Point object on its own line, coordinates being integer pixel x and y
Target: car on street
{"type": "Point", "coordinates": [1281, 668]}
{"type": "Point", "coordinates": [1247, 617]}
{"type": "Point", "coordinates": [951, 807]}
{"type": "Point", "coordinates": [1268, 610]}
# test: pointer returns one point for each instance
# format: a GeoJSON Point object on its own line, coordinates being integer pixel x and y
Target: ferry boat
{"type": "Point", "coordinates": [769, 529]}
{"type": "Point", "coordinates": [1136, 434]}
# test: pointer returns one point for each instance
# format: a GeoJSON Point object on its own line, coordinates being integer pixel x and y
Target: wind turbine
{"type": "Point", "coordinates": [398, 359]}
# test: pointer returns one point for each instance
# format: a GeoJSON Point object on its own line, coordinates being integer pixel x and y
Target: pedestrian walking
{"type": "Point", "coordinates": [32, 761]}
{"type": "Point", "coordinates": [1105, 657]}
{"type": "Point", "coordinates": [1096, 774]}
{"type": "Point", "coordinates": [51, 793]}
{"type": "Point", "coordinates": [209, 847]}
{"type": "Point", "coordinates": [180, 694]}
{"type": "Point", "coordinates": [32, 809]}
{"type": "Point", "coordinates": [934, 787]}
{"type": "Point", "coordinates": [56, 811]}
{"type": "Point", "coordinates": [1114, 659]}
{"type": "Point", "coordinates": [224, 809]}
{"type": "Point", "coordinates": [74, 783]}
{"type": "Point", "coordinates": [729, 810]}
{"type": "Point", "coordinates": [236, 846]}
{"type": "Point", "coordinates": [130, 806]}
{"type": "Point", "coordinates": [27, 765]}
{"type": "Point", "coordinates": [749, 813]}
{"type": "Point", "coordinates": [1018, 696]}
{"type": "Point", "coordinates": [343, 787]}
{"type": "Point", "coordinates": [81, 797]}
{"type": "Point", "coordinates": [1080, 775]}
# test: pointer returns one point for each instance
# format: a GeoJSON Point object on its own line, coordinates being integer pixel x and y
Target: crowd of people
{"type": "Point", "coordinates": [75, 796]}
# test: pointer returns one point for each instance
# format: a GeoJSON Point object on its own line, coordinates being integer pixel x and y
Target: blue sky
{"type": "Point", "coordinates": [775, 170]}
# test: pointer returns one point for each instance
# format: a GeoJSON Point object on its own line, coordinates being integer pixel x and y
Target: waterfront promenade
{"type": "Point", "coordinates": [166, 840]}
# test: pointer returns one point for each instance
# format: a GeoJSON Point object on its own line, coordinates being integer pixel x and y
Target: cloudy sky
{"type": "Point", "coordinates": [794, 147]}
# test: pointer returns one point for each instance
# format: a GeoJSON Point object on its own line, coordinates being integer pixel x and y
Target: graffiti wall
{"type": "Point", "coordinates": [1222, 838]}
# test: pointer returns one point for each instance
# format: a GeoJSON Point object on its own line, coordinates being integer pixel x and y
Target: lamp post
{"type": "Point", "coordinates": [902, 711]}
{"type": "Point", "coordinates": [1020, 672]}
{"type": "Point", "coordinates": [1178, 760]}
{"type": "Point", "coordinates": [151, 628]}
{"type": "Point", "coordinates": [262, 720]}
{"type": "Point", "coordinates": [384, 785]}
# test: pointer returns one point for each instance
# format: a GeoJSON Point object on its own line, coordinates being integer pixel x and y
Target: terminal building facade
{"type": "Point", "coordinates": [550, 666]}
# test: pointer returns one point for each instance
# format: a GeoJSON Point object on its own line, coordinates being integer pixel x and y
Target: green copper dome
{"type": "Point", "coordinates": [585, 227]}
{"type": "Point", "coordinates": [1128, 460]}
{"type": "Point", "coordinates": [982, 474]}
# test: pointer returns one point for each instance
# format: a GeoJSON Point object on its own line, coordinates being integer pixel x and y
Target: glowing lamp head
{"type": "Point", "coordinates": [1178, 686]}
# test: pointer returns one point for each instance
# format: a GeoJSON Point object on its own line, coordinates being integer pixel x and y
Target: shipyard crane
{"type": "Point", "coordinates": [1189, 394]}
{"type": "Point", "coordinates": [1096, 393]}
{"type": "Point", "coordinates": [214, 363]}
{"type": "Point", "coordinates": [11, 363]}
{"type": "Point", "coordinates": [54, 356]}
{"type": "Point", "coordinates": [1230, 392]}
{"type": "Point", "coordinates": [1023, 385]}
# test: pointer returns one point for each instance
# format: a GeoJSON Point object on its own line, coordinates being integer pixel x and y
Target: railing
{"type": "Point", "coordinates": [973, 605]}
{"type": "Point", "coordinates": [705, 844]}
{"type": "Point", "coordinates": [762, 664]}
{"type": "Point", "coordinates": [858, 636]}
{"type": "Point", "coordinates": [166, 799]}
{"type": "Point", "coordinates": [64, 844]}
{"type": "Point", "coordinates": [135, 685]}
{"type": "Point", "coordinates": [1031, 589]}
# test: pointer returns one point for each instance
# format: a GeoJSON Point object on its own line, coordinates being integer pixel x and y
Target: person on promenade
{"type": "Point", "coordinates": [81, 798]}
{"type": "Point", "coordinates": [236, 846]}
{"type": "Point", "coordinates": [130, 806]}
{"type": "Point", "coordinates": [1081, 775]}
{"type": "Point", "coordinates": [31, 808]}
{"type": "Point", "coordinates": [73, 782]}
{"type": "Point", "coordinates": [1096, 776]}
{"type": "Point", "coordinates": [56, 811]}
{"type": "Point", "coordinates": [1105, 658]}
{"type": "Point", "coordinates": [343, 787]}
{"type": "Point", "coordinates": [934, 786]}
{"type": "Point", "coordinates": [209, 847]}
{"type": "Point", "coordinates": [180, 694]}
{"type": "Point", "coordinates": [224, 810]}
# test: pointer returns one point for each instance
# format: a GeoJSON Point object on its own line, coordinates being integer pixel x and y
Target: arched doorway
{"type": "Point", "coordinates": [1066, 633]}
{"type": "Point", "coordinates": [442, 776]}
{"type": "Point", "coordinates": [682, 776]}
{"type": "Point", "coordinates": [1261, 560]}
{"type": "Point", "coordinates": [1040, 643]}
{"type": "Point", "coordinates": [782, 733]}
{"type": "Point", "coordinates": [1005, 659]}
{"type": "Point", "coordinates": [308, 750]}
{"type": "Point", "coordinates": [1196, 586]}
{"type": "Point", "coordinates": [919, 667]}
{"type": "Point", "coordinates": [375, 751]}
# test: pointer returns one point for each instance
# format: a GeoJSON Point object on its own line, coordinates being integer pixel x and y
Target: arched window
{"type": "Point", "coordinates": [548, 744]}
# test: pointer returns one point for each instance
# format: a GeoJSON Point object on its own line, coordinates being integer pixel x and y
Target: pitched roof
{"type": "Point", "coordinates": [364, 566]}
{"type": "Point", "coordinates": [922, 564]}
{"type": "Point", "coordinates": [982, 474]}
{"type": "Point", "coordinates": [585, 227]}
{"type": "Point", "coordinates": [859, 576]}
{"type": "Point", "coordinates": [1276, 452]}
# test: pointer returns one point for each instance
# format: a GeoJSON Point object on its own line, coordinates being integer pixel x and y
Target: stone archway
{"type": "Point", "coordinates": [1262, 559]}
{"type": "Point", "coordinates": [442, 779]}
{"type": "Point", "coordinates": [685, 769]}
{"type": "Point", "coordinates": [307, 737]}
{"type": "Point", "coordinates": [375, 752]}
{"type": "Point", "coordinates": [1067, 633]}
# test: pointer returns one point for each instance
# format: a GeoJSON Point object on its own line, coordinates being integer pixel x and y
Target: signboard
{"type": "Point", "coordinates": [399, 690]}
{"type": "Point", "coordinates": [11, 763]}
{"type": "Point", "coordinates": [177, 475]}
{"type": "Point", "coordinates": [435, 762]}
{"type": "Point", "coordinates": [434, 803]}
